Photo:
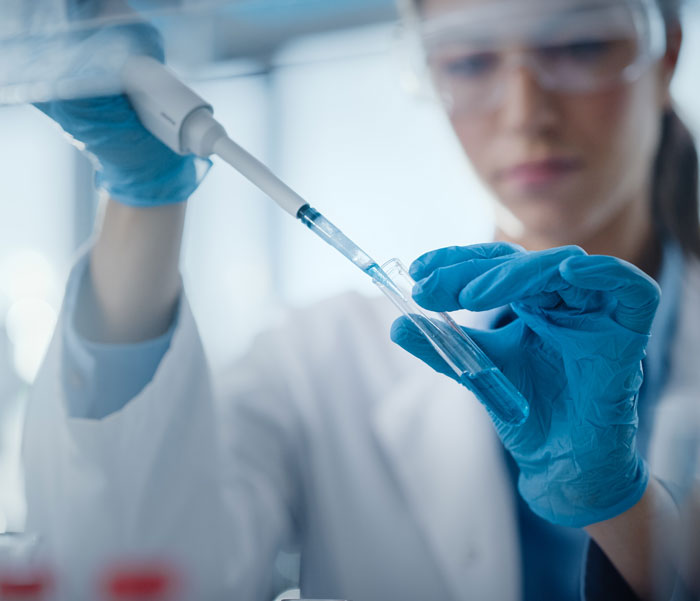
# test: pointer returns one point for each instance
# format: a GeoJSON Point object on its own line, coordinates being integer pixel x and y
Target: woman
{"type": "Point", "coordinates": [388, 477]}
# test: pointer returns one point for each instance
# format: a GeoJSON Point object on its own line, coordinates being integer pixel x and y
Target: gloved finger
{"type": "Point", "coordinates": [428, 262]}
{"type": "Point", "coordinates": [636, 293]}
{"type": "Point", "coordinates": [501, 345]}
{"type": "Point", "coordinates": [580, 301]}
{"type": "Point", "coordinates": [441, 289]}
{"type": "Point", "coordinates": [522, 278]}
{"type": "Point", "coordinates": [409, 337]}
{"type": "Point", "coordinates": [95, 118]}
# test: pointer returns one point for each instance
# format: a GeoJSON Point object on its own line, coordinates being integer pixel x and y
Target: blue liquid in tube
{"type": "Point", "coordinates": [495, 391]}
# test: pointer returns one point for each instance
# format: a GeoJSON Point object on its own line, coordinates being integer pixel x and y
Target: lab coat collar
{"type": "Point", "coordinates": [657, 364]}
{"type": "Point", "coordinates": [677, 413]}
{"type": "Point", "coordinates": [449, 465]}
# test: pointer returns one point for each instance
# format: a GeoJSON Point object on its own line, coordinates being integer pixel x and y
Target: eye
{"type": "Point", "coordinates": [584, 51]}
{"type": "Point", "coordinates": [473, 65]}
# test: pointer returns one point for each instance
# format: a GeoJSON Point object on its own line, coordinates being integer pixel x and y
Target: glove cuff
{"type": "Point", "coordinates": [565, 506]}
{"type": "Point", "coordinates": [176, 185]}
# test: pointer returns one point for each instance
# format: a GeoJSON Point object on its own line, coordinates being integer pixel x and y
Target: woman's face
{"type": "Point", "coordinates": [563, 165]}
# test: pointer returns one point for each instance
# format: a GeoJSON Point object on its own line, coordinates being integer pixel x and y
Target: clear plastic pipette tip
{"type": "Point", "coordinates": [325, 229]}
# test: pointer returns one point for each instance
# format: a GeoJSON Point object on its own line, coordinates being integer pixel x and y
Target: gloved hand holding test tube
{"type": "Point", "coordinates": [575, 317]}
{"type": "Point", "coordinates": [472, 367]}
{"type": "Point", "coordinates": [184, 122]}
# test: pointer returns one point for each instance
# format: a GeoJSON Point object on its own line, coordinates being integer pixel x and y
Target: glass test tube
{"type": "Point", "coordinates": [473, 368]}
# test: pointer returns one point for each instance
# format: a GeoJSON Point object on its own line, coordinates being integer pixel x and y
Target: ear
{"type": "Point", "coordinates": [669, 62]}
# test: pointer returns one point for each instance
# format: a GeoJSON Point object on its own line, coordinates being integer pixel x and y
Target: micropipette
{"type": "Point", "coordinates": [185, 122]}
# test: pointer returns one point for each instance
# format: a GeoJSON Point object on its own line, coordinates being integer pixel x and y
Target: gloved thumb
{"type": "Point", "coordinates": [499, 345]}
{"type": "Point", "coordinates": [405, 333]}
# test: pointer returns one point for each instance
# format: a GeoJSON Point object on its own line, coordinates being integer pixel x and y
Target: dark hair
{"type": "Point", "coordinates": [674, 200]}
{"type": "Point", "coordinates": [675, 194]}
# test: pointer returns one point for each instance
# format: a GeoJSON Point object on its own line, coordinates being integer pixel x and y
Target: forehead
{"type": "Point", "coordinates": [436, 7]}
{"type": "Point", "coordinates": [451, 20]}
{"type": "Point", "coordinates": [431, 7]}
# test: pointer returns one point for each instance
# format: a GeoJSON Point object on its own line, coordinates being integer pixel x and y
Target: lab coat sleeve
{"type": "Point", "coordinates": [118, 371]}
{"type": "Point", "coordinates": [148, 479]}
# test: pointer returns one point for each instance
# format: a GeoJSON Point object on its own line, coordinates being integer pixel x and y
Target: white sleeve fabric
{"type": "Point", "coordinates": [98, 378]}
{"type": "Point", "coordinates": [150, 480]}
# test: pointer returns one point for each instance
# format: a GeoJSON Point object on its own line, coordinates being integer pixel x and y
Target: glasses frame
{"type": "Point", "coordinates": [648, 22]}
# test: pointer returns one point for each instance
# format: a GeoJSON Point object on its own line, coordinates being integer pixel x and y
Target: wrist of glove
{"type": "Point", "coordinates": [573, 348]}
{"type": "Point", "coordinates": [132, 165]}
{"type": "Point", "coordinates": [568, 495]}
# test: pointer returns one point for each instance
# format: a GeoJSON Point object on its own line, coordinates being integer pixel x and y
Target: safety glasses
{"type": "Point", "coordinates": [569, 46]}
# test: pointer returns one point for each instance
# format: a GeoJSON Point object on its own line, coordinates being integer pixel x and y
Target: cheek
{"type": "Point", "coordinates": [615, 133]}
{"type": "Point", "coordinates": [599, 123]}
{"type": "Point", "coordinates": [477, 138]}
{"type": "Point", "coordinates": [618, 133]}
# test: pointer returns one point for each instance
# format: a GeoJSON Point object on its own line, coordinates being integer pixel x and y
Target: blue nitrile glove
{"type": "Point", "coordinates": [574, 350]}
{"type": "Point", "coordinates": [131, 164]}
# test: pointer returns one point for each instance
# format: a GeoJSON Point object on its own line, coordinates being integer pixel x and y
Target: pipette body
{"type": "Point", "coordinates": [185, 122]}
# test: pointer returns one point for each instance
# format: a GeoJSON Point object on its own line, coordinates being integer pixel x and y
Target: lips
{"type": "Point", "coordinates": [541, 172]}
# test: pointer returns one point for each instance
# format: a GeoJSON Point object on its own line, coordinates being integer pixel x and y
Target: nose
{"type": "Point", "coordinates": [527, 106]}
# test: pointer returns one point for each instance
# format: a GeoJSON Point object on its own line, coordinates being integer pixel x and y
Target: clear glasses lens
{"type": "Point", "coordinates": [577, 50]}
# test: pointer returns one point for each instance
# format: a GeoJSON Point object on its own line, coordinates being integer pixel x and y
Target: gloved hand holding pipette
{"type": "Point", "coordinates": [134, 284]}
{"type": "Point", "coordinates": [573, 346]}
{"type": "Point", "coordinates": [133, 166]}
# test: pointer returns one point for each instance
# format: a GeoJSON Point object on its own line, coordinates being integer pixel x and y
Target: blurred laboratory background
{"type": "Point", "coordinates": [319, 90]}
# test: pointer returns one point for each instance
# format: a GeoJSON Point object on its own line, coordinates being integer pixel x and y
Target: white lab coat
{"type": "Point", "coordinates": [388, 475]}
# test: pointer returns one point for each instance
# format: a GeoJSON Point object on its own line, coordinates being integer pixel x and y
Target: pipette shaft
{"type": "Point", "coordinates": [259, 175]}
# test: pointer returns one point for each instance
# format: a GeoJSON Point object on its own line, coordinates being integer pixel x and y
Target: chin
{"type": "Point", "coordinates": [552, 226]}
